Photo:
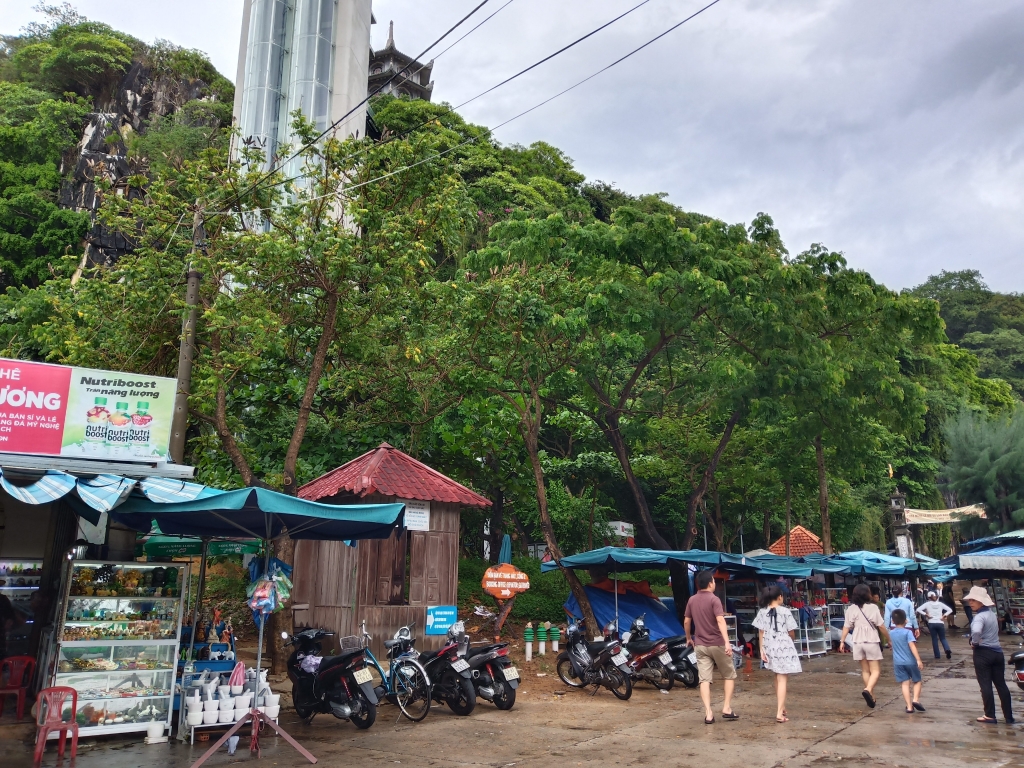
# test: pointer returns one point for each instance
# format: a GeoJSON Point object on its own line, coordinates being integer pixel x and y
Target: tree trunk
{"type": "Point", "coordinates": [789, 513]}
{"type": "Point", "coordinates": [284, 550]}
{"type": "Point", "coordinates": [709, 473]}
{"type": "Point", "coordinates": [826, 523]}
{"type": "Point", "coordinates": [716, 521]}
{"type": "Point", "coordinates": [766, 529]}
{"type": "Point", "coordinates": [316, 370]}
{"type": "Point", "coordinates": [530, 428]}
{"type": "Point", "coordinates": [610, 427]}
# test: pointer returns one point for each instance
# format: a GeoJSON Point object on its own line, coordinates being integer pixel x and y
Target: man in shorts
{"type": "Point", "coordinates": [704, 623]}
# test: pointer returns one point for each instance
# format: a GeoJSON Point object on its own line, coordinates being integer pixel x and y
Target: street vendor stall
{"type": "Point", "coordinates": [267, 515]}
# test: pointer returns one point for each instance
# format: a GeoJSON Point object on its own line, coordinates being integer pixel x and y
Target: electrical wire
{"type": "Point", "coordinates": [452, 110]}
{"type": "Point", "coordinates": [490, 131]}
{"type": "Point", "coordinates": [348, 114]}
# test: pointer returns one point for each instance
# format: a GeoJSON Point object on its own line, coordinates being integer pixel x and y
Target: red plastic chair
{"type": "Point", "coordinates": [18, 671]}
{"type": "Point", "coordinates": [51, 718]}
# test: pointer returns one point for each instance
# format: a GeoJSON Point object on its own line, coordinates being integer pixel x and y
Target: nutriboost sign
{"type": "Point", "coordinates": [58, 410]}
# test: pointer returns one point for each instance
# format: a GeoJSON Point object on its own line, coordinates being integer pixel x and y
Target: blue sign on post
{"type": "Point", "coordinates": [440, 618]}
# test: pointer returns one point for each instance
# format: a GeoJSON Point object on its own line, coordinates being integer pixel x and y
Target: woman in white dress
{"type": "Point", "coordinates": [776, 627]}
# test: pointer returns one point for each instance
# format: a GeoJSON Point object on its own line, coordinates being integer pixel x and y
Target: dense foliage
{"type": "Point", "coordinates": [574, 352]}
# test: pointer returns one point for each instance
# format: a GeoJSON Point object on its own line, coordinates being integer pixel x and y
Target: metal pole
{"type": "Point", "coordinates": [199, 597]}
{"type": "Point", "coordinates": [263, 623]}
{"type": "Point", "coordinates": [187, 349]}
{"type": "Point", "coordinates": [615, 573]}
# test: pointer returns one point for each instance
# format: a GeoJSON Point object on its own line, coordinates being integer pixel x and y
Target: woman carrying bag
{"type": "Point", "coordinates": [864, 620]}
{"type": "Point", "coordinates": [776, 626]}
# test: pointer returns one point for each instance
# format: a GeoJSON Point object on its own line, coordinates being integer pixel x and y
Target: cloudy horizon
{"type": "Point", "coordinates": [890, 132]}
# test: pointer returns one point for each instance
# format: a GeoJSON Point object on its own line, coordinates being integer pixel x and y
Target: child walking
{"type": "Point", "coordinates": [776, 626]}
{"type": "Point", "coordinates": [906, 662]}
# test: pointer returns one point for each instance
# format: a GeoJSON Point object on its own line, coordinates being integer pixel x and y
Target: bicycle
{"type": "Point", "coordinates": [406, 682]}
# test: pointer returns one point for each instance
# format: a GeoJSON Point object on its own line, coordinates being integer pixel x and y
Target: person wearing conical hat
{"type": "Point", "coordinates": [989, 662]}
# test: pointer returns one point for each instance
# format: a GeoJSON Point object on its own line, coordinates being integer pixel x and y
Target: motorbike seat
{"type": "Point", "coordinates": [427, 656]}
{"type": "Point", "coordinates": [674, 640]}
{"type": "Point", "coordinates": [483, 649]}
{"type": "Point", "coordinates": [342, 658]}
{"type": "Point", "coordinates": [640, 646]}
{"type": "Point", "coordinates": [389, 644]}
{"type": "Point", "coordinates": [597, 646]}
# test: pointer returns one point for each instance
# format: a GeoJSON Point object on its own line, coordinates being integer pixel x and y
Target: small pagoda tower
{"type": "Point", "coordinates": [413, 81]}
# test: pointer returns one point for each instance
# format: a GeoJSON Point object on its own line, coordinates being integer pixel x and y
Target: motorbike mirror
{"type": "Point", "coordinates": [284, 635]}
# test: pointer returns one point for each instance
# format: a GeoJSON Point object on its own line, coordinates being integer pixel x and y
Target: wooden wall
{"type": "Point", "coordinates": [343, 585]}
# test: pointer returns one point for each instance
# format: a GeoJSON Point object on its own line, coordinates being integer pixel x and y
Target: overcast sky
{"type": "Point", "coordinates": [893, 132]}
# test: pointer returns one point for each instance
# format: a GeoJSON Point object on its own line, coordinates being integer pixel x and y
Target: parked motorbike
{"type": "Point", "coordinates": [649, 660]}
{"type": "Point", "coordinates": [451, 676]}
{"type": "Point", "coordinates": [684, 657]}
{"type": "Point", "coordinates": [339, 685]}
{"type": "Point", "coordinates": [1017, 660]}
{"type": "Point", "coordinates": [495, 678]}
{"type": "Point", "coordinates": [598, 663]}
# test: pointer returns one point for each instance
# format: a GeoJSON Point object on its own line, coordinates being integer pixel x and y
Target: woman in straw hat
{"type": "Point", "coordinates": [989, 664]}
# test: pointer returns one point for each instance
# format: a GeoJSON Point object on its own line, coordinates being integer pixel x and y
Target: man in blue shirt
{"type": "Point", "coordinates": [897, 601]}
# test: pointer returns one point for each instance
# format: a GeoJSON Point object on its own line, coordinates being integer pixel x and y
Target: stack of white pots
{"type": "Point", "coordinates": [218, 704]}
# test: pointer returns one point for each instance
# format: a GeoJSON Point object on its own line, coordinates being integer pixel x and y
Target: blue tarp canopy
{"type": "Point", "coordinates": [992, 541]}
{"type": "Point", "coordinates": [617, 559]}
{"type": "Point", "coordinates": [262, 514]}
{"type": "Point", "coordinates": [660, 620]}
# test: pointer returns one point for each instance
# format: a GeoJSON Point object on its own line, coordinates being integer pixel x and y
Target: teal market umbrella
{"type": "Point", "coordinates": [505, 554]}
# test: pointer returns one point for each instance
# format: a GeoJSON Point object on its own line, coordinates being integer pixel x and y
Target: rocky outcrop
{"type": "Point", "coordinates": [102, 152]}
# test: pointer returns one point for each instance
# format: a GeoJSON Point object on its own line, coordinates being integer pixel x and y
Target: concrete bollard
{"type": "Point", "coordinates": [554, 634]}
{"type": "Point", "coordinates": [542, 639]}
{"type": "Point", "coordinates": [528, 637]}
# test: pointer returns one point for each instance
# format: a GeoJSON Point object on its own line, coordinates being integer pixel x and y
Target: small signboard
{"type": "Point", "coordinates": [504, 581]}
{"type": "Point", "coordinates": [417, 514]}
{"type": "Point", "coordinates": [440, 618]}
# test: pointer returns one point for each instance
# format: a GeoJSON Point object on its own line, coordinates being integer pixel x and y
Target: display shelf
{"type": "Point", "coordinates": [730, 625]}
{"type": "Point", "coordinates": [813, 640]}
{"type": "Point", "coordinates": [125, 676]}
{"type": "Point", "coordinates": [203, 727]}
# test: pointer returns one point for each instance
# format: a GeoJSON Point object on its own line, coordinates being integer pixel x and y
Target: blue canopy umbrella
{"type": "Point", "coordinates": [505, 553]}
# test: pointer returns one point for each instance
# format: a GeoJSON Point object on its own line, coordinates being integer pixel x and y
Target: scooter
{"type": "Point", "coordinates": [337, 685]}
{"type": "Point", "coordinates": [1017, 660]}
{"type": "Point", "coordinates": [494, 676]}
{"type": "Point", "coordinates": [649, 660]}
{"type": "Point", "coordinates": [598, 663]}
{"type": "Point", "coordinates": [451, 676]}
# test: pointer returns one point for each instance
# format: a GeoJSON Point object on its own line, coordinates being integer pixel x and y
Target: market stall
{"type": "Point", "coordinates": [267, 515]}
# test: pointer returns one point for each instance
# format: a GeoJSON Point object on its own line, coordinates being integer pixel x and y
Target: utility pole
{"type": "Point", "coordinates": [187, 349]}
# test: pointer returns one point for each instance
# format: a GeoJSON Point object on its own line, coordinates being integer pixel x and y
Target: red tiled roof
{"type": "Point", "coordinates": [388, 471]}
{"type": "Point", "coordinates": [801, 542]}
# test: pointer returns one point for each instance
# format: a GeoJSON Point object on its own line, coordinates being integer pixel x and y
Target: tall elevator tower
{"type": "Point", "coordinates": [311, 55]}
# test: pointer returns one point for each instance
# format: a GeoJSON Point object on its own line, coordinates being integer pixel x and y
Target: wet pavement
{"type": "Point", "coordinates": [550, 726]}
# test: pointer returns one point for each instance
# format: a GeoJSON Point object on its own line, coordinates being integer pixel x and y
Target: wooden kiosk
{"type": "Point", "coordinates": [390, 582]}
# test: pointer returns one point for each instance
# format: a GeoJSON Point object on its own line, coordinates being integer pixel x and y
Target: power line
{"type": "Point", "coordinates": [348, 114]}
{"type": "Point", "coordinates": [474, 29]}
{"type": "Point", "coordinates": [490, 131]}
{"type": "Point", "coordinates": [506, 81]}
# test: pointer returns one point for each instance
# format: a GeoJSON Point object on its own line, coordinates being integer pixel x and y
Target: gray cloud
{"type": "Point", "coordinates": [893, 132]}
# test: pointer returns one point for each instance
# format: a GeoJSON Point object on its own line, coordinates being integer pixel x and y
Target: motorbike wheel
{"type": "Point", "coordinates": [305, 712]}
{"type": "Point", "coordinates": [504, 696]}
{"type": "Point", "coordinates": [666, 681]}
{"type": "Point", "coordinates": [618, 682]}
{"type": "Point", "coordinates": [367, 714]}
{"type": "Point", "coordinates": [566, 671]}
{"type": "Point", "coordinates": [462, 698]}
{"type": "Point", "coordinates": [412, 691]}
{"type": "Point", "coordinates": [687, 675]}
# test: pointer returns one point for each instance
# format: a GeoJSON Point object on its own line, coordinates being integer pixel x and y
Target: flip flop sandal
{"type": "Point", "coordinates": [709, 722]}
{"type": "Point", "coordinates": [868, 698]}
{"type": "Point", "coordinates": [782, 719]}
{"type": "Point", "coordinates": [730, 716]}
{"type": "Point", "coordinates": [988, 720]}
{"type": "Point", "coordinates": [919, 706]}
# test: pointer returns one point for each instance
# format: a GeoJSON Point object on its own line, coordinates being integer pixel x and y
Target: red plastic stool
{"type": "Point", "coordinates": [18, 671]}
{"type": "Point", "coordinates": [51, 718]}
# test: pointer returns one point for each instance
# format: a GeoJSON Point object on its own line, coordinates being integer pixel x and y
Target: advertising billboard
{"type": "Point", "coordinates": [59, 410]}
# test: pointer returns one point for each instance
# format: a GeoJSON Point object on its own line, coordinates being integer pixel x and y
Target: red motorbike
{"type": "Point", "coordinates": [649, 660]}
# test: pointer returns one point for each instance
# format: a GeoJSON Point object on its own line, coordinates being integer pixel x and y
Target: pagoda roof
{"type": "Point", "coordinates": [390, 472]}
{"type": "Point", "coordinates": [801, 542]}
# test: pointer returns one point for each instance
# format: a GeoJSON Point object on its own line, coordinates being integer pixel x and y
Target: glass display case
{"type": "Point", "coordinates": [118, 643]}
{"type": "Point", "coordinates": [19, 582]}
